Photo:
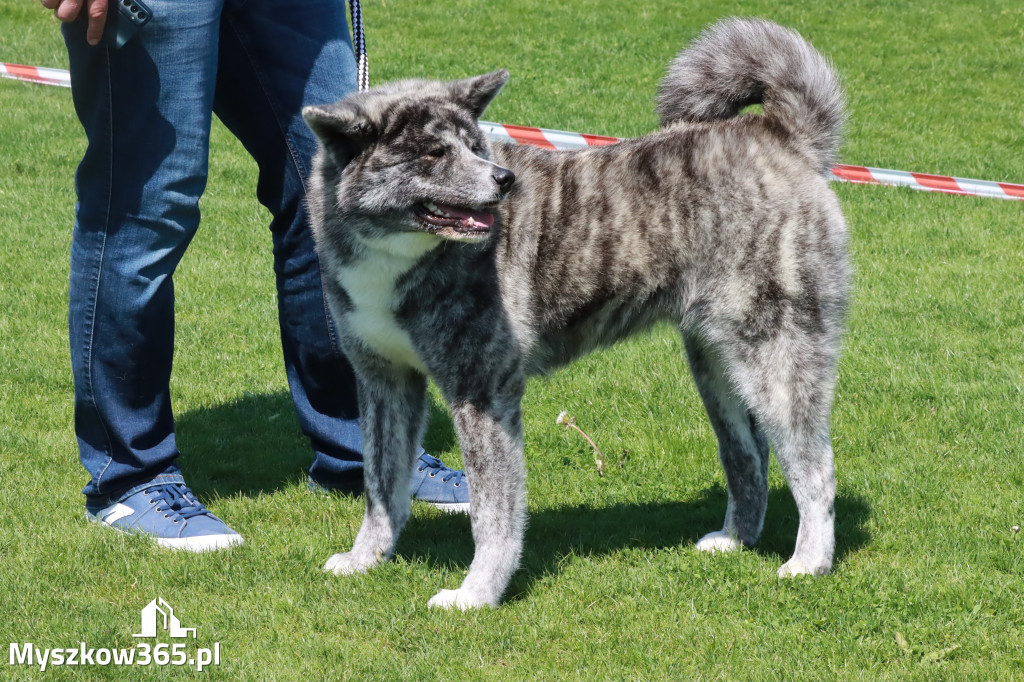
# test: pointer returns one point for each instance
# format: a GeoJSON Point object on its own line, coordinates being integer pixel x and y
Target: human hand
{"type": "Point", "coordinates": [68, 10]}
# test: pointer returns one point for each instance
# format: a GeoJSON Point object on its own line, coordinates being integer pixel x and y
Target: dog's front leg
{"type": "Point", "coordinates": [392, 404]}
{"type": "Point", "coordinates": [492, 450]}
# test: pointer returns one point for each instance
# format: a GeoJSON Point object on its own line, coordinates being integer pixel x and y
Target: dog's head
{"type": "Point", "coordinates": [410, 156]}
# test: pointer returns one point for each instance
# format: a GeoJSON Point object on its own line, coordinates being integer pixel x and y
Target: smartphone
{"type": "Point", "coordinates": [124, 19]}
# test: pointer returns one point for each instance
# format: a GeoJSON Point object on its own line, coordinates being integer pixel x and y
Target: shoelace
{"type": "Point", "coordinates": [176, 499]}
{"type": "Point", "coordinates": [428, 462]}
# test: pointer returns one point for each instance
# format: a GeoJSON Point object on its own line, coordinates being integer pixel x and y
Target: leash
{"type": "Point", "coordinates": [359, 44]}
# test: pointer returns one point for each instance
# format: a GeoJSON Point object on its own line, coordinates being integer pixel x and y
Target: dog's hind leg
{"type": "Point", "coordinates": [788, 379]}
{"type": "Point", "coordinates": [393, 407]}
{"type": "Point", "coordinates": [797, 420]}
{"type": "Point", "coordinates": [742, 449]}
{"type": "Point", "coordinates": [491, 436]}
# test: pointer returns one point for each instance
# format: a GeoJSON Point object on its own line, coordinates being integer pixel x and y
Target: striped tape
{"type": "Point", "coordinates": [560, 139]}
{"type": "Point", "coordinates": [929, 183]}
{"type": "Point", "coordinates": [36, 74]}
{"type": "Point", "coordinates": [542, 137]}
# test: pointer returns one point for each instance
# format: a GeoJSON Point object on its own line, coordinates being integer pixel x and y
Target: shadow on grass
{"type": "Point", "coordinates": [247, 446]}
{"type": "Point", "coordinates": [553, 534]}
{"type": "Point", "coordinates": [253, 445]}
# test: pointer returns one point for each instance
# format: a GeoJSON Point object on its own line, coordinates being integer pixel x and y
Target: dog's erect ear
{"type": "Point", "coordinates": [476, 93]}
{"type": "Point", "coordinates": [343, 128]}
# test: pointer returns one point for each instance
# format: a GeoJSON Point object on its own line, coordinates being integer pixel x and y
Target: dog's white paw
{"type": "Point", "coordinates": [795, 567]}
{"type": "Point", "coordinates": [460, 599]}
{"type": "Point", "coordinates": [719, 541]}
{"type": "Point", "coordinates": [347, 563]}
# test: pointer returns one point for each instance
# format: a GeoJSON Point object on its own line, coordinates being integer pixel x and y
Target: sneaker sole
{"type": "Point", "coordinates": [202, 543]}
{"type": "Point", "coordinates": [451, 507]}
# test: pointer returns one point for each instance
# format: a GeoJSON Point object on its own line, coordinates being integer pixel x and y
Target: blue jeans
{"type": "Point", "coordinates": [146, 109]}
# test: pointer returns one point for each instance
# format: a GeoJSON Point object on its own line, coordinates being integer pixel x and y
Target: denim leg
{"type": "Point", "coordinates": [146, 110]}
{"type": "Point", "coordinates": [276, 57]}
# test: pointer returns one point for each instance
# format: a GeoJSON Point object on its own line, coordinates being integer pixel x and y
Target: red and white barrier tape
{"type": "Point", "coordinates": [559, 139]}
{"type": "Point", "coordinates": [929, 183]}
{"type": "Point", "coordinates": [542, 137]}
{"type": "Point", "coordinates": [36, 74]}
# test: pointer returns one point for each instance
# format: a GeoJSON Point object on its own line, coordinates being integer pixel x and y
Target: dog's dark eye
{"type": "Point", "coordinates": [437, 153]}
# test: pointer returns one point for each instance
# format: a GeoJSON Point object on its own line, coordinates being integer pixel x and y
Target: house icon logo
{"type": "Point", "coordinates": [168, 620]}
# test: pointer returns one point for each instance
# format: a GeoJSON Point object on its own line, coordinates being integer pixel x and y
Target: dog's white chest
{"type": "Point", "coordinates": [370, 285]}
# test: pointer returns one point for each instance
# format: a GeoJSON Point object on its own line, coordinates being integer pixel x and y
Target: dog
{"type": "Point", "coordinates": [477, 265]}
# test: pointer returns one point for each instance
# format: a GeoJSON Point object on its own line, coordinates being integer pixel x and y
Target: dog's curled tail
{"type": "Point", "coordinates": [738, 62]}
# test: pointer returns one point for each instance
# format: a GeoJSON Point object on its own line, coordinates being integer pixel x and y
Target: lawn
{"type": "Point", "coordinates": [928, 422]}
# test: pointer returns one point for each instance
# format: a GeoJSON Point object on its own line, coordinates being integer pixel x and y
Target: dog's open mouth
{"type": "Point", "coordinates": [467, 221]}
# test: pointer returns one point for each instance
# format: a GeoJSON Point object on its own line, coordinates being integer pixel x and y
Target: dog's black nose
{"type": "Point", "coordinates": [504, 177]}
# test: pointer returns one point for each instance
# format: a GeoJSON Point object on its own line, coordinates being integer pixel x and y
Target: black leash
{"type": "Point", "coordinates": [359, 44]}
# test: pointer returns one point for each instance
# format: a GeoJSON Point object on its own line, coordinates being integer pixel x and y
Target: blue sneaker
{"type": "Point", "coordinates": [440, 486]}
{"type": "Point", "coordinates": [432, 482]}
{"type": "Point", "coordinates": [171, 514]}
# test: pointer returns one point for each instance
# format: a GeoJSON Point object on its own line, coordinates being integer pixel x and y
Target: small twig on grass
{"type": "Point", "coordinates": [565, 420]}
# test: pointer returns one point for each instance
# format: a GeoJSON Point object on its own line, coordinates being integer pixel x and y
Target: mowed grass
{"type": "Point", "coordinates": [928, 419]}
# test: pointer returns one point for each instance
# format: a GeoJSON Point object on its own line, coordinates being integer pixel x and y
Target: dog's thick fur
{"type": "Point", "coordinates": [721, 223]}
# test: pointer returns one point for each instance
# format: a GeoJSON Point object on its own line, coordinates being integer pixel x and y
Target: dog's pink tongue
{"type": "Point", "coordinates": [471, 218]}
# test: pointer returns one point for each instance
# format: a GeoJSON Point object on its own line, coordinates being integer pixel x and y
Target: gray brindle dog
{"type": "Point", "coordinates": [477, 265]}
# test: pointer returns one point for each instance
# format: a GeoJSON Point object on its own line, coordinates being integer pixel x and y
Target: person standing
{"type": "Point", "coordinates": [146, 108]}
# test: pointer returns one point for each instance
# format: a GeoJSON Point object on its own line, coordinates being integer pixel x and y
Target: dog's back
{"type": "Point", "coordinates": [717, 216]}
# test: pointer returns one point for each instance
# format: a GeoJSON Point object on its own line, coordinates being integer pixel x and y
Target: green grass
{"type": "Point", "coordinates": [928, 421]}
